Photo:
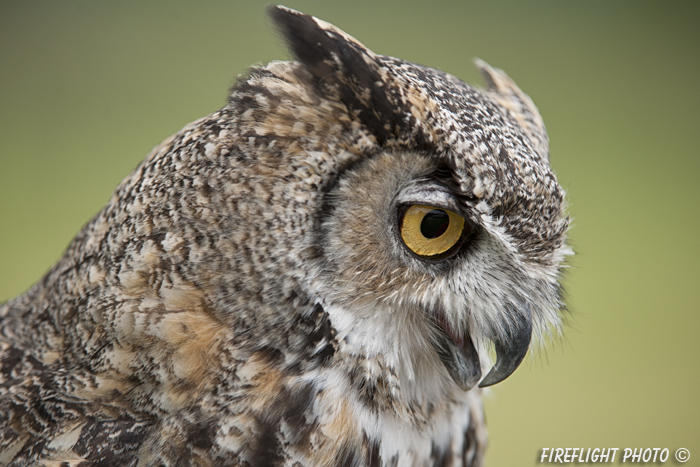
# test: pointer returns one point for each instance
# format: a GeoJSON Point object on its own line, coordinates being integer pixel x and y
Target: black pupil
{"type": "Point", "coordinates": [434, 223]}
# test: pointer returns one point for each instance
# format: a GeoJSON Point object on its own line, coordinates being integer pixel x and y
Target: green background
{"type": "Point", "coordinates": [87, 88]}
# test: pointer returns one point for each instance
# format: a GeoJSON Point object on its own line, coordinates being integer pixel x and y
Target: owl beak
{"type": "Point", "coordinates": [461, 360]}
{"type": "Point", "coordinates": [510, 349]}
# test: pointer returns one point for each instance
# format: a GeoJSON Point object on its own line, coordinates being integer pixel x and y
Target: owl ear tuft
{"type": "Point", "coordinates": [503, 90]}
{"type": "Point", "coordinates": [319, 45]}
{"type": "Point", "coordinates": [344, 70]}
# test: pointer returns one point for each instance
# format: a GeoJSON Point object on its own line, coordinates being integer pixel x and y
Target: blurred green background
{"type": "Point", "coordinates": [87, 88]}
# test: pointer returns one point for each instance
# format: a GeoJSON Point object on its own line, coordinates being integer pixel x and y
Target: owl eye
{"type": "Point", "coordinates": [430, 231]}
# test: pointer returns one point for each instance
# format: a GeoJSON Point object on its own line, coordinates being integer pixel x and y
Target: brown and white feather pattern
{"type": "Point", "coordinates": [245, 298]}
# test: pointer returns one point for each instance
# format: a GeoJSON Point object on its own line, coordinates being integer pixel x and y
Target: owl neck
{"type": "Point", "coordinates": [392, 393]}
{"type": "Point", "coordinates": [389, 362]}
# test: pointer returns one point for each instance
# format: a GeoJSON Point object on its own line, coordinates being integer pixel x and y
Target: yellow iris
{"type": "Point", "coordinates": [431, 231]}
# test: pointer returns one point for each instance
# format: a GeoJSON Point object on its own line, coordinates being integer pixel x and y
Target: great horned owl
{"type": "Point", "coordinates": [310, 276]}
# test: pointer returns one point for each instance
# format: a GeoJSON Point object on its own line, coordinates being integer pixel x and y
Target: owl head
{"type": "Point", "coordinates": [419, 212]}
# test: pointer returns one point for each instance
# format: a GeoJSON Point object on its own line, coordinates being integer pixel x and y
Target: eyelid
{"type": "Point", "coordinates": [431, 194]}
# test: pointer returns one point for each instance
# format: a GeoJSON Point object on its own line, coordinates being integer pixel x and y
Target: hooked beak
{"type": "Point", "coordinates": [462, 360]}
{"type": "Point", "coordinates": [511, 349]}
